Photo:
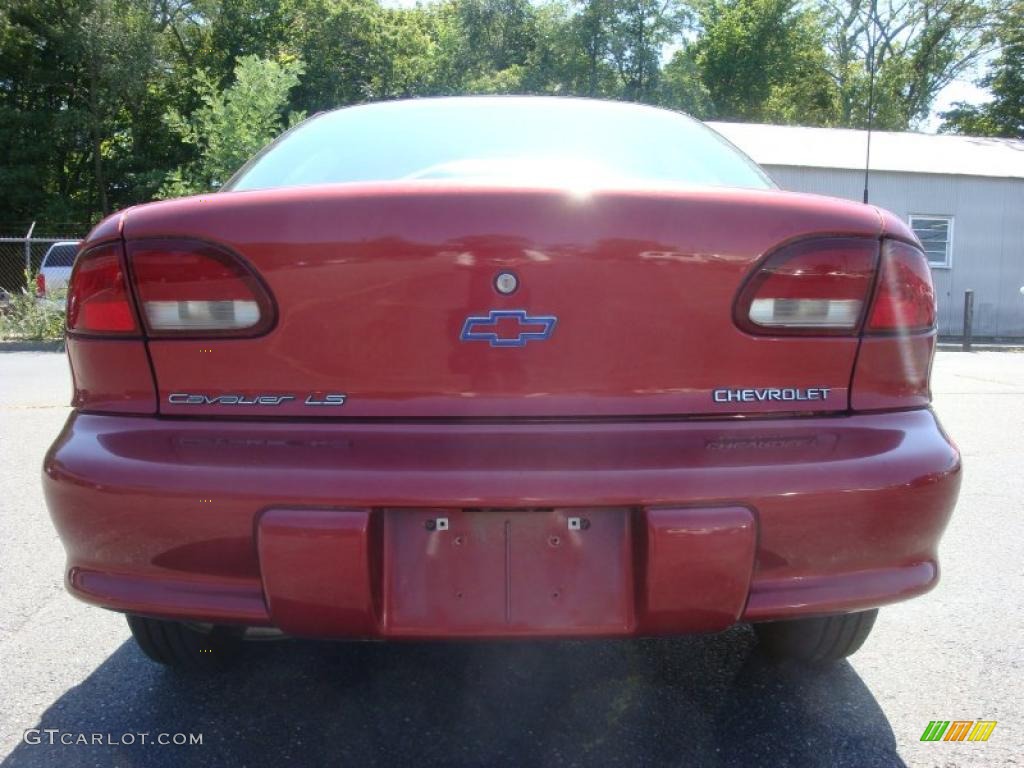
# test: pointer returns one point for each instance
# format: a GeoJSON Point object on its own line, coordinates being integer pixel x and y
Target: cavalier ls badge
{"type": "Point", "coordinates": [312, 399]}
{"type": "Point", "coordinates": [508, 327]}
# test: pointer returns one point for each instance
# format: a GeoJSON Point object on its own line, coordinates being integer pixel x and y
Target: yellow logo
{"type": "Point", "coordinates": [958, 730]}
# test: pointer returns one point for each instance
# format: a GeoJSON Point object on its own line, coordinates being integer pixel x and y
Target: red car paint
{"type": "Point", "coordinates": [697, 511]}
{"type": "Point", "coordinates": [642, 285]}
{"type": "Point", "coordinates": [303, 527]}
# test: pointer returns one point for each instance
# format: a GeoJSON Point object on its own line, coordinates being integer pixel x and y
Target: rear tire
{"type": "Point", "coordinates": [817, 640]}
{"type": "Point", "coordinates": [183, 646]}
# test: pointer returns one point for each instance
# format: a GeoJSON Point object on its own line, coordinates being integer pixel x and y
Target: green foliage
{"type": "Point", "coordinates": [343, 42]}
{"type": "Point", "coordinates": [1004, 115]}
{"type": "Point", "coordinates": [75, 74]}
{"type": "Point", "coordinates": [763, 60]}
{"type": "Point", "coordinates": [916, 48]}
{"type": "Point", "coordinates": [233, 124]}
{"type": "Point", "coordinates": [637, 33]}
{"type": "Point", "coordinates": [27, 317]}
{"type": "Point", "coordinates": [682, 86]}
{"type": "Point", "coordinates": [107, 103]}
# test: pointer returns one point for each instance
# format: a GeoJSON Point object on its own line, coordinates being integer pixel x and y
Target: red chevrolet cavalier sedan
{"type": "Point", "coordinates": [500, 367]}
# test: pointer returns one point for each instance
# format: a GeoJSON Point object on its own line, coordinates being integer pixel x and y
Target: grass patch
{"type": "Point", "coordinates": [26, 317]}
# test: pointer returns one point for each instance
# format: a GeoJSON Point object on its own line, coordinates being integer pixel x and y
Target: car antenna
{"type": "Point", "coordinates": [872, 41]}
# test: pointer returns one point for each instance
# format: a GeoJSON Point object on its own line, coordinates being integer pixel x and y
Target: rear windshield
{"type": "Point", "coordinates": [62, 255]}
{"type": "Point", "coordinates": [566, 141]}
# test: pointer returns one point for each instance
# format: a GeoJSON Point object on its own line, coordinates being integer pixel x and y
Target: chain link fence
{"type": "Point", "coordinates": [18, 254]}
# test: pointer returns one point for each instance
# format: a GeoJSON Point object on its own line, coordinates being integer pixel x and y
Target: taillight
{"type": "Point", "coordinates": [818, 286]}
{"type": "Point", "coordinates": [40, 284]}
{"type": "Point", "coordinates": [98, 301]}
{"type": "Point", "coordinates": [905, 298]}
{"type": "Point", "coordinates": [188, 288]}
{"type": "Point", "coordinates": [894, 361]}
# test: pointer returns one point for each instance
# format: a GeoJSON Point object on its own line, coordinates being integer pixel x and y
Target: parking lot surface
{"type": "Point", "coordinates": [957, 653]}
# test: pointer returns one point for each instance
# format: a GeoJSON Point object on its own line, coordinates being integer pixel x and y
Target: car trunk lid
{"type": "Point", "coordinates": [386, 299]}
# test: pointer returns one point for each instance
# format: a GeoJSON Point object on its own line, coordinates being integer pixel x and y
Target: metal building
{"type": "Point", "coordinates": [963, 196]}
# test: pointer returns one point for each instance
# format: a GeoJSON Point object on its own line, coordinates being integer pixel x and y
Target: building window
{"type": "Point", "coordinates": [936, 235]}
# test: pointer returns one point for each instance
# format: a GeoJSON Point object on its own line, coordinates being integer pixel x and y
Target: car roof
{"type": "Point", "coordinates": [61, 248]}
{"type": "Point", "coordinates": [75, 243]}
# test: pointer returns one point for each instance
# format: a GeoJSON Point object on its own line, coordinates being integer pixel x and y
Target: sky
{"type": "Point", "coordinates": [958, 90]}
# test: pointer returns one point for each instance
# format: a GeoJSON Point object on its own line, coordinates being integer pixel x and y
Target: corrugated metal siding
{"type": "Point", "coordinates": [988, 235]}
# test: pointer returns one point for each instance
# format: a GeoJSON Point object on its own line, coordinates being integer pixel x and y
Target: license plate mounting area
{"type": "Point", "coordinates": [479, 572]}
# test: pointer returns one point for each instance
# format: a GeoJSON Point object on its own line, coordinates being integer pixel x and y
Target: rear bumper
{"type": "Point", "coordinates": [322, 529]}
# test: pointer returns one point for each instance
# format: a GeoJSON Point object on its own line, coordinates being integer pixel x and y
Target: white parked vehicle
{"type": "Point", "coordinates": [55, 270]}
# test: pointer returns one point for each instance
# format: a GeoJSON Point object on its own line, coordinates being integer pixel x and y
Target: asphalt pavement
{"type": "Point", "coordinates": [69, 671]}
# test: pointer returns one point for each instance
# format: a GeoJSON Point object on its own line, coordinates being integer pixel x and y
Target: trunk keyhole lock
{"type": "Point", "coordinates": [506, 283]}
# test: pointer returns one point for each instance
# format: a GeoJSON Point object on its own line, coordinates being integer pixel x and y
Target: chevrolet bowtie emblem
{"type": "Point", "coordinates": [508, 327]}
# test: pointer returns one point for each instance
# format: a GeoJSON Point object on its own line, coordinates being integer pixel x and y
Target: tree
{"type": "Point", "coordinates": [554, 64]}
{"type": "Point", "coordinates": [100, 99]}
{"type": "Point", "coordinates": [74, 73]}
{"type": "Point", "coordinates": [233, 124]}
{"type": "Point", "coordinates": [590, 36]}
{"type": "Point", "coordinates": [1004, 114]}
{"type": "Point", "coordinates": [483, 46]}
{"type": "Point", "coordinates": [239, 28]}
{"type": "Point", "coordinates": [409, 61]}
{"type": "Point", "coordinates": [762, 60]}
{"type": "Point", "coordinates": [343, 43]}
{"type": "Point", "coordinates": [682, 86]}
{"type": "Point", "coordinates": [638, 32]}
{"type": "Point", "coordinates": [116, 51]}
{"type": "Point", "coordinates": [496, 34]}
{"type": "Point", "coordinates": [916, 48]}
